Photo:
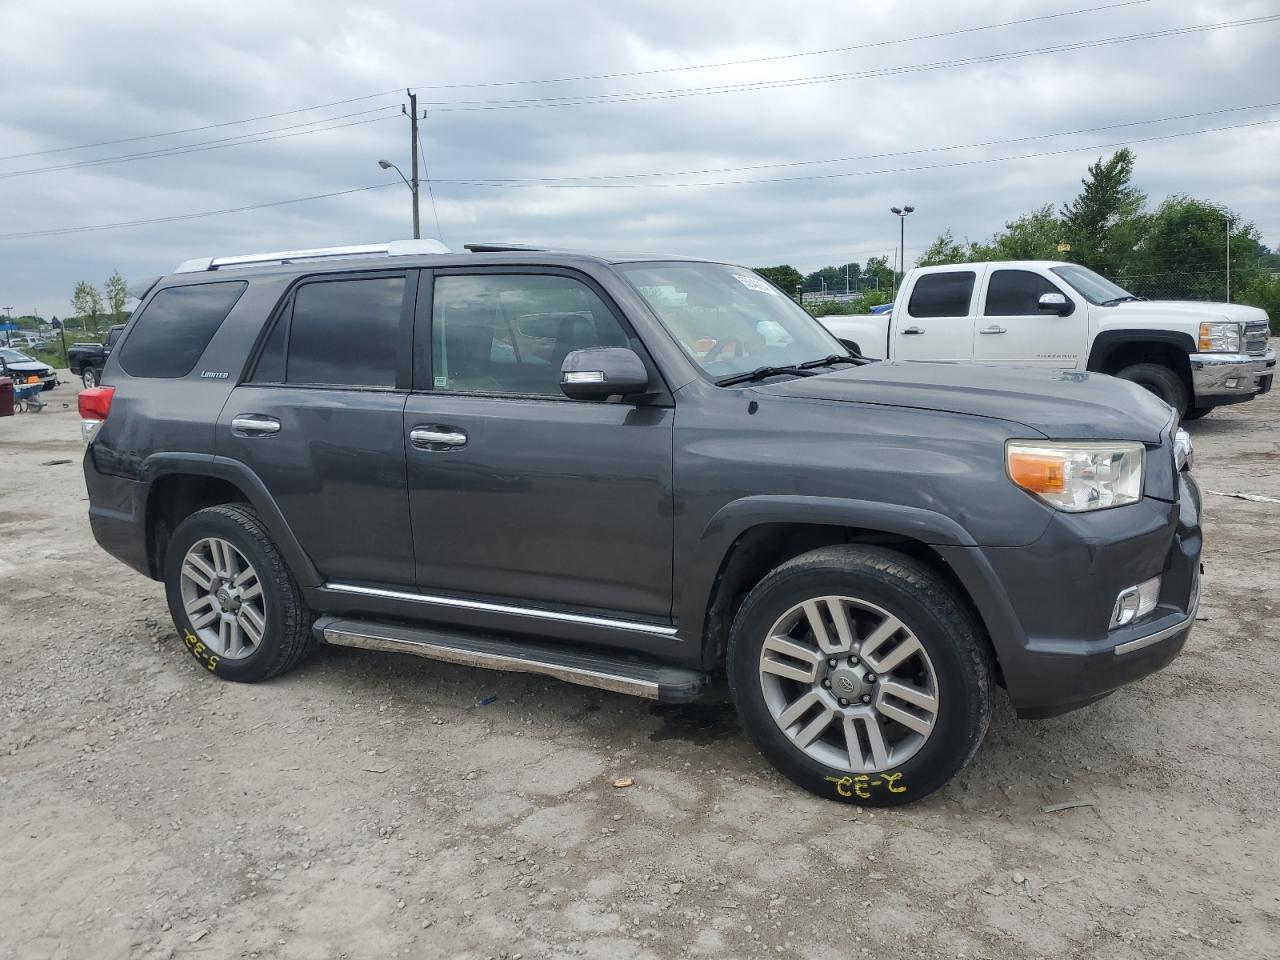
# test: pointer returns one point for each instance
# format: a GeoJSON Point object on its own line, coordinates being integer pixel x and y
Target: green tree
{"type": "Point", "coordinates": [1183, 253]}
{"type": "Point", "coordinates": [784, 276]}
{"type": "Point", "coordinates": [945, 249]}
{"type": "Point", "coordinates": [87, 303]}
{"type": "Point", "coordinates": [878, 275]}
{"type": "Point", "coordinates": [1103, 223]}
{"type": "Point", "coordinates": [117, 292]}
{"type": "Point", "coordinates": [1033, 236]}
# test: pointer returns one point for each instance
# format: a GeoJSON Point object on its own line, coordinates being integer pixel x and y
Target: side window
{"type": "Point", "coordinates": [341, 332]}
{"type": "Point", "coordinates": [1016, 293]}
{"type": "Point", "coordinates": [175, 328]}
{"type": "Point", "coordinates": [945, 294]}
{"type": "Point", "coordinates": [509, 333]}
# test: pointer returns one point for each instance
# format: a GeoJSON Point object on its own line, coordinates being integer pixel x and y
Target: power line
{"type": "Point", "coordinates": [207, 126]}
{"type": "Point", "coordinates": [787, 56]}
{"type": "Point", "coordinates": [869, 156]}
{"type": "Point", "coordinates": [219, 144]}
{"type": "Point", "coordinates": [463, 106]}
{"type": "Point", "coordinates": [857, 173]}
{"type": "Point", "coordinates": [190, 216]}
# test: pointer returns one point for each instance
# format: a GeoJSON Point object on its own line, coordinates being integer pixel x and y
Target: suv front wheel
{"type": "Point", "coordinates": [860, 674]}
{"type": "Point", "coordinates": [232, 598]}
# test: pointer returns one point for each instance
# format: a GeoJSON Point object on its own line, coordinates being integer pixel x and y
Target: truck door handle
{"type": "Point", "coordinates": [254, 425]}
{"type": "Point", "coordinates": [993, 329]}
{"type": "Point", "coordinates": [433, 436]}
{"type": "Point", "coordinates": [913, 332]}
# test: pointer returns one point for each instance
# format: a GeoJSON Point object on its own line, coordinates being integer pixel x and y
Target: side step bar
{"type": "Point", "coordinates": [574, 665]}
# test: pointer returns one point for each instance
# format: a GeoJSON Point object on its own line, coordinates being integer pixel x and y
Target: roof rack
{"type": "Point", "coordinates": [502, 248]}
{"type": "Point", "coordinates": [393, 248]}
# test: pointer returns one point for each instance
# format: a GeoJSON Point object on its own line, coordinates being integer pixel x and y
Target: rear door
{"type": "Point", "coordinates": [319, 421]}
{"type": "Point", "coordinates": [1012, 328]}
{"type": "Point", "coordinates": [517, 492]}
{"type": "Point", "coordinates": [935, 321]}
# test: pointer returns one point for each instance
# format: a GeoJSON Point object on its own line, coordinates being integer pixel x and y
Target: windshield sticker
{"type": "Point", "coordinates": [756, 284]}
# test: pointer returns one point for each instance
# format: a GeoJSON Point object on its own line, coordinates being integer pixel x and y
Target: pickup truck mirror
{"type": "Point", "coordinates": [602, 372]}
{"type": "Point", "coordinates": [1056, 303]}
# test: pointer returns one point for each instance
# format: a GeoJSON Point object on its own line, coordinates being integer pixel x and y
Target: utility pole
{"type": "Point", "coordinates": [8, 334]}
{"type": "Point", "coordinates": [413, 149]}
{"type": "Point", "coordinates": [1228, 259]}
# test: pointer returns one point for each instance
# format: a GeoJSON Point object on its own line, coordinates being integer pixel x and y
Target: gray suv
{"type": "Point", "coordinates": [644, 474]}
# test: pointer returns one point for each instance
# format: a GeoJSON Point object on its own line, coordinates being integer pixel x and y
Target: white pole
{"type": "Point", "coordinates": [1228, 259]}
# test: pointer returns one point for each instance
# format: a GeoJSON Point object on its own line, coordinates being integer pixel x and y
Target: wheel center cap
{"type": "Point", "coordinates": [225, 599]}
{"type": "Point", "coordinates": [849, 682]}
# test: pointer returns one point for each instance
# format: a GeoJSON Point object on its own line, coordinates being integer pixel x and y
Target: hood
{"type": "Point", "coordinates": [29, 367]}
{"type": "Point", "coordinates": [1188, 309]}
{"type": "Point", "coordinates": [1059, 404]}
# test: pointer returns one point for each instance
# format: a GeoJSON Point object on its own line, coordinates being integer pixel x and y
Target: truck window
{"type": "Point", "coordinates": [944, 294]}
{"type": "Point", "coordinates": [344, 333]}
{"type": "Point", "coordinates": [176, 326]}
{"type": "Point", "coordinates": [1016, 293]}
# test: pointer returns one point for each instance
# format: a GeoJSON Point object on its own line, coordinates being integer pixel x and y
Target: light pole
{"type": "Point", "coordinates": [8, 335]}
{"type": "Point", "coordinates": [901, 213]}
{"type": "Point", "coordinates": [1229, 223]}
{"type": "Point", "coordinates": [413, 189]}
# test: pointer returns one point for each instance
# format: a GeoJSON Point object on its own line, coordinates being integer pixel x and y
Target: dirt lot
{"type": "Point", "coordinates": [368, 805]}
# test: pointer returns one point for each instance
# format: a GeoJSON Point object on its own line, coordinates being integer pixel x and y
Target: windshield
{"type": "Point", "coordinates": [1094, 287]}
{"type": "Point", "coordinates": [730, 320]}
{"type": "Point", "coordinates": [15, 356]}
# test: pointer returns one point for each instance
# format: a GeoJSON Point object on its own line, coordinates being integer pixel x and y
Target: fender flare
{"type": "Point", "coordinates": [238, 474]}
{"type": "Point", "coordinates": [1108, 341]}
{"type": "Point", "coordinates": [734, 519]}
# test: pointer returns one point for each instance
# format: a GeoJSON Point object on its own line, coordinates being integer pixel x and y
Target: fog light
{"type": "Point", "coordinates": [1135, 602]}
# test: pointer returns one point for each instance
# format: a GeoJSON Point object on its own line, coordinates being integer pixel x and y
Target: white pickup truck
{"type": "Point", "coordinates": [1194, 356]}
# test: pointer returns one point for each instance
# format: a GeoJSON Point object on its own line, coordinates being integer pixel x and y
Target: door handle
{"type": "Point", "coordinates": [913, 332]}
{"type": "Point", "coordinates": [254, 425]}
{"type": "Point", "coordinates": [436, 437]}
{"type": "Point", "coordinates": [993, 329]}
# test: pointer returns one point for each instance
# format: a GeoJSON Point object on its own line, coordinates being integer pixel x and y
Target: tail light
{"type": "Point", "coordinates": [95, 404]}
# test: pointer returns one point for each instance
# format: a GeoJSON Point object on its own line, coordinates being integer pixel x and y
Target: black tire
{"type": "Point", "coordinates": [287, 638]}
{"type": "Point", "coordinates": [89, 377]}
{"type": "Point", "coordinates": [1195, 413]}
{"type": "Point", "coordinates": [1161, 381]}
{"type": "Point", "coordinates": [928, 606]}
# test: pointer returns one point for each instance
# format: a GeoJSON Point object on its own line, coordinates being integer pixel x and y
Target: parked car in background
{"type": "Point", "coordinates": [1194, 356]}
{"type": "Point", "coordinates": [639, 473]}
{"type": "Point", "coordinates": [21, 367]}
{"type": "Point", "coordinates": [86, 360]}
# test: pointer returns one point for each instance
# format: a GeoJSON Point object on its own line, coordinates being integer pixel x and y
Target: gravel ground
{"type": "Point", "coordinates": [368, 805]}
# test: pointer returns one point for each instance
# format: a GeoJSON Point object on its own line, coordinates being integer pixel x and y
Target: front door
{"type": "Point", "coordinates": [319, 421]}
{"type": "Point", "coordinates": [518, 493]}
{"type": "Point", "coordinates": [936, 321]}
{"type": "Point", "coordinates": [1011, 327]}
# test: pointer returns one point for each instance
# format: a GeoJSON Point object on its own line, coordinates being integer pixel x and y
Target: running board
{"type": "Point", "coordinates": [574, 665]}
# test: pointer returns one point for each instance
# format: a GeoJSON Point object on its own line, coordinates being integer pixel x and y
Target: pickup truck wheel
{"type": "Point", "coordinates": [860, 675]}
{"type": "Point", "coordinates": [89, 377]}
{"type": "Point", "coordinates": [232, 598]}
{"type": "Point", "coordinates": [1161, 381]}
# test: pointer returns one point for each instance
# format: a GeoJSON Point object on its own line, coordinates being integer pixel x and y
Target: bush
{"type": "Point", "coordinates": [1264, 291]}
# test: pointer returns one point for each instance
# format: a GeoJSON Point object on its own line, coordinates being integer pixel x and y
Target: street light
{"type": "Point", "coordinates": [388, 165]}
{"type": "Point", "coordinates": [901, 214]}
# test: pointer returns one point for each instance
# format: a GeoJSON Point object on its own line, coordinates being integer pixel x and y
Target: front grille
{"type": "Point", "coordinates": [1255, 337]}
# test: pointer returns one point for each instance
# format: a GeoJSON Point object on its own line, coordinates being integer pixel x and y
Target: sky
{"type": "Point", "coordinates": [918, 101]}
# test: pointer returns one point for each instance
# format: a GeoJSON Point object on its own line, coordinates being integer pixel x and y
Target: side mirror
{"type": "Point", "coordinates": [602, 372]}
{"type": "Point", "coordinates": [1056, 303]}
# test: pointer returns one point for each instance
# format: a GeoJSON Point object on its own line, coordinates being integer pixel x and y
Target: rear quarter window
{"type": "Point", "coordinates": [175, 328]}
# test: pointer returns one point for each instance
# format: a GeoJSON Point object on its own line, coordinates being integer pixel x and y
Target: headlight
{"type": "Point", "coordinates": [1220, 337]}
{"type": "Point", "coordinates": [1076, 477]}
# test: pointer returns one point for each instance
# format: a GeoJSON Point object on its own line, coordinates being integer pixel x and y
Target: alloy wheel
{"type": "Point", "coordinates": [223, 598]}
{"type": "Point", "coordinates": [849, 684]}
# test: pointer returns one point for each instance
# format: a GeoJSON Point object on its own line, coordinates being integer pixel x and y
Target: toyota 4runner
{"type": "Point", "coordinates": [642, 474]}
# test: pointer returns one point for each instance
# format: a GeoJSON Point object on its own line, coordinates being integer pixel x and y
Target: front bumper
{"type": "Point", "coordinates": [1219, 378]}
{"type": "Point", "coordinates": [1047, 606]}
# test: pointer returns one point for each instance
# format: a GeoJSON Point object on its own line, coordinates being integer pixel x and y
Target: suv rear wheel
{"type": "Point", "coordinates": [861, 675]}
{"type": "Point", "coordinates": [232, 599]}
